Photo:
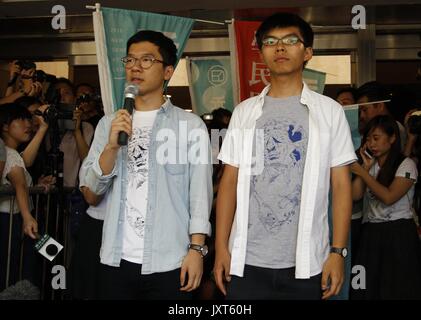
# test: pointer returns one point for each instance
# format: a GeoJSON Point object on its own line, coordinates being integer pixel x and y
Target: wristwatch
{"type": "Point", "coordinates": [343, 252]}
{"type": "Point", "coordinates": [203, 250]}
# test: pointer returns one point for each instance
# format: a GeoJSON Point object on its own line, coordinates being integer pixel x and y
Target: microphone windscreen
{"type": "Point", "coordinates": [131, 91]}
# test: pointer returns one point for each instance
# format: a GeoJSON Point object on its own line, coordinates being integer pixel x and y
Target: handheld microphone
{"type": "Point", "coordinates": [130, 93]}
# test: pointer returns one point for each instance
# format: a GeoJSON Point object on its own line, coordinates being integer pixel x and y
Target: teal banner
{"type": "Point", "coordinates": [120, 25]}
{"type": "Point", "coordinates": [210, 84]}
{"type": "Point", "coordinates": [351, 113]}
{"type": "Point", "coordinates": [315, 80]}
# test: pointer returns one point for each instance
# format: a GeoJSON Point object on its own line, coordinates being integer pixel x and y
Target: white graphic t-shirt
{"type": "Point", "coordinates": [137, 188]}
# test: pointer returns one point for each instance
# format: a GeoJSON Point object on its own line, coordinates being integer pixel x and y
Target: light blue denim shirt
{"type": "Point", "coordinates": [179, 194]}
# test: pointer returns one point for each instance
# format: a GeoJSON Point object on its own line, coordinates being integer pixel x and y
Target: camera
{"type": "Point", "coordinates": [60, 113]}
{"type": "Point", "coordinates": [88, 98]}
{"type": "Point", "coordinates": [414, 122]}
{"type": "Point", "coordinates": [84, 98]}
{"type": "Point", "coordinates": [39, 76]}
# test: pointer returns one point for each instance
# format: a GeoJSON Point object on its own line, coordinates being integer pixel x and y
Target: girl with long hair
{"type": "Point", "coordinates": [389, 249]}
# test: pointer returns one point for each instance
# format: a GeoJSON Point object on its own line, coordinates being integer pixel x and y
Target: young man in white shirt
{"type": "Point", "coordinates": [272, 239]}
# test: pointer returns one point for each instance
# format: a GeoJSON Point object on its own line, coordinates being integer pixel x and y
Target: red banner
{"type": "Point", "coordinates": [252, 71]}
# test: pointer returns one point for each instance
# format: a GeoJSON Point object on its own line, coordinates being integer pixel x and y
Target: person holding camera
{"type": "Point", "coordinates": [88, 104]}
{"type": "Point", "coordinates": [389, 245]}
{"type": "Point", "coordinates": [74, 143]}
{"type": "Point", "coordinates": [21, 82]}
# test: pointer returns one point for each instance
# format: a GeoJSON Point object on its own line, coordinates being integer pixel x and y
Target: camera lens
{"type": "Point", "coordinates": [51, 249]}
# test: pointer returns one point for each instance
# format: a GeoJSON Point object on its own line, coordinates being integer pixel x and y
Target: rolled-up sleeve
{"type": "Point", "coordinates": [94, 178]}
{"type": "Point", "coordinates": [201, 187]}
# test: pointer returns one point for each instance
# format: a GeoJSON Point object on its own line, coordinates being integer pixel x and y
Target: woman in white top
{"type": "Point", "coordinates": [389, 248]}
{"type": "Point", "coordinates": [15, 129]}
{"type": "Point", "coordinates": [15, 126]}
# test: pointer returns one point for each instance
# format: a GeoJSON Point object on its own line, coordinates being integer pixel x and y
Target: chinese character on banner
{"type": "Point", "coordinates": [259, 73]}
{"type": "Point", "coordinates": [252, 72]}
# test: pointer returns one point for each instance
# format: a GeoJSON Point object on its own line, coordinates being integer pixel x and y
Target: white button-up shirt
{"type": "Point", "coordinates": [329, 145]}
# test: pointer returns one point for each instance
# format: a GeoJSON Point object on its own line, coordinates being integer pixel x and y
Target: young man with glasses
{"type": "Point", "coordinates": [160, 184]}
{"type": "Point", "coordinates": [272, 234]}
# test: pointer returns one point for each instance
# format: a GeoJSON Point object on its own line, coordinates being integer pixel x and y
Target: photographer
{"type": "Point", "coordinates": [75, 142]}
{"type": "Point", "coordinates": [89, 104]}
{"type": "Point", "coordinates": [21, 82]}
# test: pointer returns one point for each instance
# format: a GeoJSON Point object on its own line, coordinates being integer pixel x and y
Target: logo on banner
{"type": "Point", "coordinates": [217, 75]}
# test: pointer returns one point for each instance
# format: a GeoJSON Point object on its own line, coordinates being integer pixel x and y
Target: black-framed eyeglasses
{"type": "Point", "coordinates": [289, 40]}
{"type": "Point", "coordinates": [145, 61]}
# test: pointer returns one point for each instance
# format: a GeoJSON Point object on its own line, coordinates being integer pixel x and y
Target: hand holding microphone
{"type": "Point", "coordinates": [121, 126]}
{"type": "Point", "coordinates": [130, 93]}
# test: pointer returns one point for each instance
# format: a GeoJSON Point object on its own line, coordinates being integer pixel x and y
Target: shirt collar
{"type": "Point", "coordinates": [166, 106]}
{"type": "Point", "coordinates": [305, 94]}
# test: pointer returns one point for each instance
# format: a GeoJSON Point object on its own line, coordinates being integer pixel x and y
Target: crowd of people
{"type": "Point", "coordinates": [33, 103]}
{"type": "Point", "coordinates": [253, 226]}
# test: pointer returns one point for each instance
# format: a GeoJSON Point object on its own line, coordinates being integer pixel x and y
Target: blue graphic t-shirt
{"type": "Point", "coordinates": [275, 193]}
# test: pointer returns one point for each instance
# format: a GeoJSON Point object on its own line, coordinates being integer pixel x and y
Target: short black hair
{"type": "Point", "coordinates": [285, 20]}
{"type": "Point", "coordinates": [374, 91]}
{"type": "Point", "coordinates": [351, 90]}
{"type": "Point", "coordinates": [10, 112]}
{"type": "Point", "coordinates": [218, 118]}
{"type": "Point", "coordinates": [166, 46]}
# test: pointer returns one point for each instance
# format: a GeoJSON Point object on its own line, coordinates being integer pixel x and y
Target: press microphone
{"type": "Point", "coordinates": [130, 93]}
{"type": "Point", "coordinates": [47, 246]}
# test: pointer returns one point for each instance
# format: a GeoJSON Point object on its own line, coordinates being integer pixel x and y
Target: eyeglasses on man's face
{"type": "Point", "coordinates": [288, 40]}
{"type": "Point", "coordinates": [145, 61]}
